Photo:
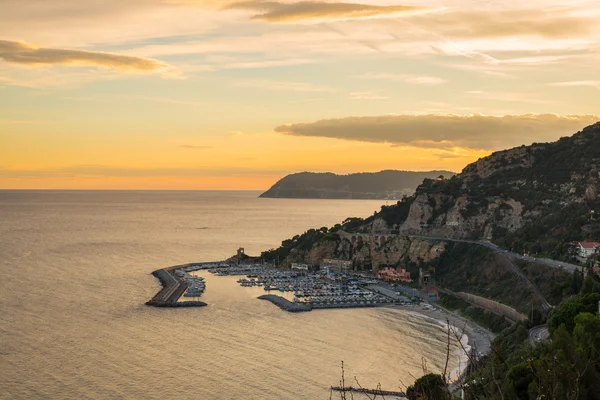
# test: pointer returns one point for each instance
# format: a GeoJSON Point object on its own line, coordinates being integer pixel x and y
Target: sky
{"type": "Point", "coordinates": [207, 94]}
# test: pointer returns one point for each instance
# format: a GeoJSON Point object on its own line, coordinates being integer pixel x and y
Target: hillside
{"type": "Point", "coordinates": [367, 185]}
{"type": "Point", "coordinates": [533, 199]}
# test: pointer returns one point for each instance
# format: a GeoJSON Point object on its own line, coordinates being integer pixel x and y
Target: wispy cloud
{"type": "Point", "coordinates": [23, 53]}
{"type": "Point", "coordinates": [284, 86]}
{"type": "Point", "coordinates": [406, 78]}
{"type": "Point", "coordinates": [366, 96]}
{"type": "Point", "coordinates": [274, 11]}
{"type": "Point", "coordinates": [512, 97]}
{"type": "Point", "coordinates": [594, 84]}
{"type": "Point", "coordinates": [474, 131]}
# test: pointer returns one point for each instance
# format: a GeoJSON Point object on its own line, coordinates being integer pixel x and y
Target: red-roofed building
{"type": "Point", "coordinates": [394, 275]}
{"type": "Point", "coordinates": [587, 249]}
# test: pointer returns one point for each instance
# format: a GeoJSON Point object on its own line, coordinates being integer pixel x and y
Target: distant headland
{"type": "Point", "coordinates": [388, 184]}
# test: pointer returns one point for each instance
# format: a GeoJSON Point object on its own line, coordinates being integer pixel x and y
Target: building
{"type": "Point", "coordinates": [394, 275]}
{"type": "Point", "coordinates": [587, 249]}
{"type": "Point", "coordinates": [300, 267]}
{"type": "Point", "coordinates": [342, 266]}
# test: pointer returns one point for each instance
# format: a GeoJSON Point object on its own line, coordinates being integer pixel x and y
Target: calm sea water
{"type": "Point", "coordinates": [75, 273]}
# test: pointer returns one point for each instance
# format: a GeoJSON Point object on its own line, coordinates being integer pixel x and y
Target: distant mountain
{"type": "Point", "coordinates": [387, 184]}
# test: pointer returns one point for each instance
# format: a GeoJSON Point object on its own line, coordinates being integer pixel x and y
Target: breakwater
{"type": "Point", "coordinates": [285, 304]}
{"type": "Point", "coordinates": [172, 289]}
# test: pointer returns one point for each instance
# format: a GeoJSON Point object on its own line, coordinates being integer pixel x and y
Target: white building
{"type": "Point", "coordinates": [587, 249]}
{"type": "Point", "coordinates": [300, 267]}
{"type": "Point", "coordinates": [343, 266]}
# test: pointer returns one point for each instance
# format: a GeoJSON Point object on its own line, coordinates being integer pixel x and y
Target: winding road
{"type": "Point", "coordinates": [509, 256]}
{"type": "Point", "coordinates": [538, 334]}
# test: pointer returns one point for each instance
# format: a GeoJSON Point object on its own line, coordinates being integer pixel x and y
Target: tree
{"type": "Point", "coordinates": [428, 387]}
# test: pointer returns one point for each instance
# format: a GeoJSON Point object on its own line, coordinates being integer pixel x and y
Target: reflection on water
{"type": "Point", "coordinates": [75, 270]}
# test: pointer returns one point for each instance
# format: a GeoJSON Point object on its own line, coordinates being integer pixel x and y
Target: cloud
{"type": "Point", "coordinates": [515, 97]}
{"type": "Point", "coordinates": [366, 96]}
{"type": "Point", "coordinates": [23, 53]}
{"type": "Point", "coordinates": [274, 11]}
{"type": "Point", "coordinates": [406, 78]}
{"type": "Point", "coordinates": [284, 86]}
{"type": "Point", "coordinates": [445, 131]}
{"type": "Point", "coordinates": [594, 84]}
{"type": "Point", "coordinates": [552, 22]}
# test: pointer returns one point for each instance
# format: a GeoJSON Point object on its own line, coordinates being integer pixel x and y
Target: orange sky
{"type": "Point", "coordinates": [229, 95]}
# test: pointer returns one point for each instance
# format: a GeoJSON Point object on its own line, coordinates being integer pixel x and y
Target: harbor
{"type": "Point", "coordinates": [304, 290]}
{"type": "Point", "coordinates": [290, 290]}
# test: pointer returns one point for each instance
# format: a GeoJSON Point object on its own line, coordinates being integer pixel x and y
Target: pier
{"type": "Point", "coordinates": [285, 304]}
{"type": "Point", "coordinates": [376, 392]}
{"type": "Point", "coordinates": [172, 289]}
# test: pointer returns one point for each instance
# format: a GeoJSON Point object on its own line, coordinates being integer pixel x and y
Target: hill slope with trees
{"type": "Point", "coordinates": [387, 184]}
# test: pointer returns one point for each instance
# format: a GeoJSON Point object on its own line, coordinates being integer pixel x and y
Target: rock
{"type": "Point", "coordinates": [591, 193]}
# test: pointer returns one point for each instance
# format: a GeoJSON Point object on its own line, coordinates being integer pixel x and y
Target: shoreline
{"type": "Point", "coordinates": [173, 288]}
{"type": "Point", "coordinates": [478, 338]}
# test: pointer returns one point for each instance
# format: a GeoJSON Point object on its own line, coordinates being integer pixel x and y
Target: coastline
{"type": "Point", "coordinates": [478, 338]}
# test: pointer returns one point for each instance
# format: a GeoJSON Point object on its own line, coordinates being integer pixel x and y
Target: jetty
{"type": "Point", "coordinates": [376, 392]}
{"type": "Point", "coordinates": [285, 304]}
{"type": "Point", "coordinates": [173, 287]}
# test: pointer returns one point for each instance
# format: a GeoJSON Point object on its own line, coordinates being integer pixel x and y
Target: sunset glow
{"type": "Point", "coordinates": [184, 94]}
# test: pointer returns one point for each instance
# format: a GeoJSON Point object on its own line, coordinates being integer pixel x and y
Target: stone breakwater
{"type": "Point", "coordinates": [172, 289]}
{"type": "Point", "coordinates": [285, 304]}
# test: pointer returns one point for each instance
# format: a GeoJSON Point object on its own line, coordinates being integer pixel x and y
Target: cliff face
{"type": "Point", "coordinates": [522, 194]}
{"type": "Point", "coordinates": [370, 252]}
{"type": "Point", "coordinates": [533, 199]}
{"type": "Point", "coordinates": [443, 216]}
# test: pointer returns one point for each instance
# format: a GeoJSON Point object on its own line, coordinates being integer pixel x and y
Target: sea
{"type": "Point", "coordinates": [75, 272]}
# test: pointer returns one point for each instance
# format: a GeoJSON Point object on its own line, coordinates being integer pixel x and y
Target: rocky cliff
{"type": "Point", "coordinates": [369, 252]}
{"type": "Point", "coordinates": [532, 198]}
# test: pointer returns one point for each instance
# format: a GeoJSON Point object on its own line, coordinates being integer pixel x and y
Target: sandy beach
{"type": "Point", "coordinates": [479, 337]}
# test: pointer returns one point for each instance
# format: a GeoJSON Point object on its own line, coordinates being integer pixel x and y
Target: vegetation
{"type": "Point", "coordinates": [430, 386]}
{"type": "Point", "coordinates": [378, 185]}
{"type": "Point", "coordinates": [478, 270]}
{"type": "Point", "coordinates": [487, 319]}
{"type": "Point", "coordinates": [555, 284]}
{"type": "Point", "coordinates": [303, 242]}
{"type": "Point", "coordinates": [567, 367]}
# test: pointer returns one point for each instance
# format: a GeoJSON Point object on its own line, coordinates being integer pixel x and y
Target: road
{"type": "Point", "coordinates": [545, 261]}
{"type": "Point", "coordinates": [509, 256]}
{"type": "Point", "coordinates": [538, 334]}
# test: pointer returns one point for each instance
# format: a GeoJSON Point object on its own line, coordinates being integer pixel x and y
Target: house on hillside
{"type": "Point", "coordinates": [587, 249]}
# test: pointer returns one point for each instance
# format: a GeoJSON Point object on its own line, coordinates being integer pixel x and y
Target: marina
{"type": "Point", "coordinates": [291, 290]}
{"type": "Point", "coordinates": [310, 290]}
